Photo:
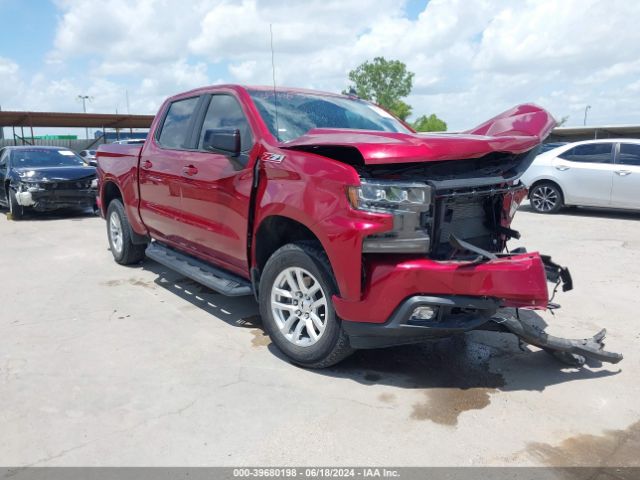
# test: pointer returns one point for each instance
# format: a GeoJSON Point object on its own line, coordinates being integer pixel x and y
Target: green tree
{"type": "Point", "coordinates": [385, 82]}
{"type": "Point", "coordinates": [430, 123]}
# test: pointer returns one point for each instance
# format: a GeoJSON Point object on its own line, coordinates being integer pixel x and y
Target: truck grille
{"type": "Point", "coordinates": [470, 218]}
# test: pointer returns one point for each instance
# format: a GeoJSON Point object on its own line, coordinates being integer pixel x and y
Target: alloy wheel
{"type": "Point", "coordinates": [299, 306]}
{"type": "Point", "coordinates": [544, 198]}
{"type": "Point", "coordinates": [115, 232]}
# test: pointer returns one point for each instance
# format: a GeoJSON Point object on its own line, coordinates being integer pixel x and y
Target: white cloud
{"type": "Point", "coordinates": [10, 83]}
{"type": "Point", "coordinates": [472, 58]}
{"type": "Point", "coordinates": [147, 30]}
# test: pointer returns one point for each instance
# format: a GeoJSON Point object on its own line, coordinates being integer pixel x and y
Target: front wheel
{"type": "Point", "coordinates": [546, 198]}
{"type": "Point", "coordinates": [16, 210]}
{"type": "Point", "coordinates": [296, 287]}
{"type": "Point", "coordinates": [124, 251]}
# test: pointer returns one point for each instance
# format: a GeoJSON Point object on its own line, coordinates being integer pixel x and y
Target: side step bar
{"type": "Point", "coordinates": [208, 275]}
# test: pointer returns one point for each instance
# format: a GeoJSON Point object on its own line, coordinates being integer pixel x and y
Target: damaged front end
{"type": "Point", "coordinates": [473, 200]}
{"type": "Point", "coordinates": [433, 215]}
{"type": "Point", "coordinates": [43, 196]}
{"type": "Point", "coordinates": [454, 220]}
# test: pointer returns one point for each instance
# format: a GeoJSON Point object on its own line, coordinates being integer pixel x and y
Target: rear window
{"type": "Point", "coordinates": [629, 154]}
{"type": "Point", "coordinates": [175, 129]}
{"type": "Point", "coordinates": [589, 153]}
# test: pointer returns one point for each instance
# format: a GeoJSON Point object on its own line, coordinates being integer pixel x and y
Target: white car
{"type": "Point", "coordinates": [593, 173]}
{"type": "Point", "coordinates": [89, 156]}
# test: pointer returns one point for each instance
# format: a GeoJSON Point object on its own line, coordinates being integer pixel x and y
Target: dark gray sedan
{"type": "Point", "coordinates": [45, 179]}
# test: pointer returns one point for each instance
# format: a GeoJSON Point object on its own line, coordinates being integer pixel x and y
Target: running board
{"type": "Point", "coordinates": [208, 275]}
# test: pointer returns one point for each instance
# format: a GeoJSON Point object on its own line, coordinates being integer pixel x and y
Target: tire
{"type": "Point", "coordinates": [124, 251]}
{"type": "Point", "coordinates": [292, 329]}
{"type": "Point", "coordinates": [16, 211]}
{"type": "Point", "coordinates": [546, 197]}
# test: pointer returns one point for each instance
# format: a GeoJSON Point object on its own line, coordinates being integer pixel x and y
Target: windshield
{"type": "Point", "coordinates": [300, 112]}
{"type": "Point", "coordinates": [41, 157]}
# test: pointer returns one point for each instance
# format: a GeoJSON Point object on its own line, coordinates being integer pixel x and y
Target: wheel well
{"type": "Point", "coordinates": [275, 232]}
{"type": "Point", "coordinates": [110, 192]}
{"type": "Point", "coordinates": [539, 182]}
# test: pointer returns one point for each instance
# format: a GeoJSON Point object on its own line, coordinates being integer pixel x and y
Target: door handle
{"type": "Point", "coordinates": [146, 164]}
{"type": "Point", "coordinates": [189, 170]}
{"type": "Point", "coordinates": [562, 168]}
{"type": "Point", "coordinates": [622, 173]}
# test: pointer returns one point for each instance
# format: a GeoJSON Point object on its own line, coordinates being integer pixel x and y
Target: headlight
{"type": "Point", "coordinates": [388, 196]}
{"type": "Point", "coordinates": [94, 183]}
{"type": "Point", "coordinates": [410, 204]}
{"type": "Point", "coordinates": [29, 186]}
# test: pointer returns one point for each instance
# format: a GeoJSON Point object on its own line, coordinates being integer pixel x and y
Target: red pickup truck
{"type": "Point", "coordinates": [351, 230]}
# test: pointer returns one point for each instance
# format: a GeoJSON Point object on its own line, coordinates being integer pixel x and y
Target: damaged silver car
{"type": "Point", "coordinates": [45, 179]}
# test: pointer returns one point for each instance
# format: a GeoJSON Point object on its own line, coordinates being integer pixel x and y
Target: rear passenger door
{"type": "Point", "coordinates": [585, 173]}
{"type": "Point", "coordinates": [626, 176]}
{"type": "Point", "coordinates": [160, 171]}
{"type": "Point", "coordinates": [216, 187]}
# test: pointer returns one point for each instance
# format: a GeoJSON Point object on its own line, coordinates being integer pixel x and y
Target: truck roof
{"type": "Point", "coordinates": [280, 89]}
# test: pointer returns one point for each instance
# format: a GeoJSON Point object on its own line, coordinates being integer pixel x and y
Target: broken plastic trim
{"type": "Point", "coordinates": [573, 352]}
{"type": "Point", "coordinates": [555, 273]}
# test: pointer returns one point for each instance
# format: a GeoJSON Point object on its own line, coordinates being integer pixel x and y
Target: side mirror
{"type": "Point", "coordinates": [222, 140]}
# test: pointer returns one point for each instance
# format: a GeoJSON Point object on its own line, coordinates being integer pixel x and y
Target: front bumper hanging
{"type": "Point", "coordinates": [573, 352]}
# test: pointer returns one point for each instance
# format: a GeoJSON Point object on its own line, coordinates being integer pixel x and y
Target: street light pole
{"type": "Point", "coordinates": [586, 109]}
{"type": "Point", "coordinates": [84, 99]}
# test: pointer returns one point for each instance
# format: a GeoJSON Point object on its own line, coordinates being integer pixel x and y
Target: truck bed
{"type": "Point", "coordinates": [119, 163]}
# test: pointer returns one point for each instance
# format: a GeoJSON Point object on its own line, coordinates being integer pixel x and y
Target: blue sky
{"type": "Point", "coordinates": [29, 33]}
{"type": "Point", "coordinates": [471, 58]}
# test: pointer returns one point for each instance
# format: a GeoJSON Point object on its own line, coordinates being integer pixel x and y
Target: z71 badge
{"type": "Point", "coordinates": [272, 157]}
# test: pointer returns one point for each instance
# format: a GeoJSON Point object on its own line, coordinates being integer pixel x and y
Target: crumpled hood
{"type": "Point", "coordinates": [514, 131]}
{"type": "Point", "coordinates": [55, 174]}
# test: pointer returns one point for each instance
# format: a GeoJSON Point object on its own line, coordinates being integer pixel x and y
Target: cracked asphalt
{"type": "Point", "coordinates": [104, 365]}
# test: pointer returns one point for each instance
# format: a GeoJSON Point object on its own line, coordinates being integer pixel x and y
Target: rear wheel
{"type": "Point", "coordinates": [296, 287]}
{"type": "Point", "coordinates": [124, 251]}
{"type": "Point", "coordinates": [546, 197]}
{"type": "Point", "coordinates": [17, 211]}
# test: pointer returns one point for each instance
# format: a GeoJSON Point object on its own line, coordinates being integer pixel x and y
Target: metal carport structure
{"type": "Point", "coordinates": [22, 119]}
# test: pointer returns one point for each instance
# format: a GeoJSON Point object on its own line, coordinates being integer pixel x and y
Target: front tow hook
{"type": "Point", "coordinates": [572, 352]}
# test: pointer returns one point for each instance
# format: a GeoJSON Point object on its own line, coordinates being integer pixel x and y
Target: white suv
{"type": "Point", "coordinates": [594, 173]}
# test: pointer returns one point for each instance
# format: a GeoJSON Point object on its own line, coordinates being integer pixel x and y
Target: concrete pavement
{"type": "Point", "coordinates": [108, 365]}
